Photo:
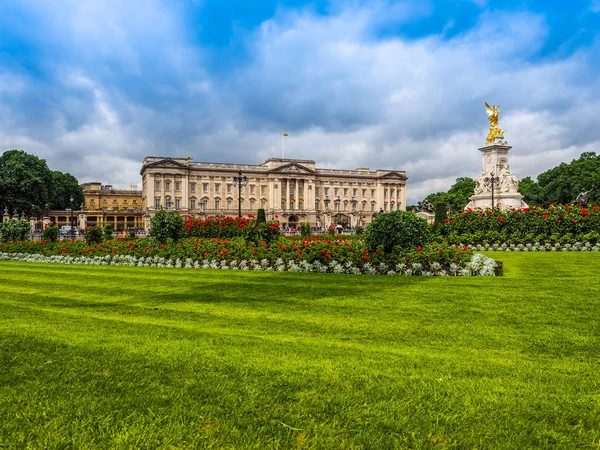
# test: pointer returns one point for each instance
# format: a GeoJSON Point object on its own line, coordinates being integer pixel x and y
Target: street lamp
{"type": "Point", "coordinates": [71, 199]}
{"type": "Point", "coordinates": [240, 181]}
{"type": "Point", "coordinates": [491, 180]}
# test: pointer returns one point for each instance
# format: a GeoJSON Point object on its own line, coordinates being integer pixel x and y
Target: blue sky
{"type": "Point", "coordinates": [94, 87]}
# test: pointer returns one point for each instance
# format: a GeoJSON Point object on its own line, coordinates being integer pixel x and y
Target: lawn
{"type": "Point", "coordinates": [120, 357]}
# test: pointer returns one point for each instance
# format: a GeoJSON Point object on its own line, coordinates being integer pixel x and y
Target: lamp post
{"type": "Point", "coordinates": [492, 180]}
{"type": "Point", "coordinates": [240, 181]}
{"type": "Point", "coordinates": [71, 199]}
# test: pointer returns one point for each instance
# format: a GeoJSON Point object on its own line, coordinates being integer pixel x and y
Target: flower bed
{"type": "Point", "coordinates": [314, 254]}
{"type": "Point", "coordinates": [554, 224]}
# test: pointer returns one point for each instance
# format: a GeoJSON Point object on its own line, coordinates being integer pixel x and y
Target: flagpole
{"type": "Point", "coordinates": [282, 144]}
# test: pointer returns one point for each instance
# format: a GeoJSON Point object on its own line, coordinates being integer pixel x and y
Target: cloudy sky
{"type": "Point", "coordinates": [94, 86]}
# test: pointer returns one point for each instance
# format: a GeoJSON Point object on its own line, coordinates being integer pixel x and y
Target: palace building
{"type": "Point", "coordinates": [294, 190]}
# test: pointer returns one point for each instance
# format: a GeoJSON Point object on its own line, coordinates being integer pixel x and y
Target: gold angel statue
{"type": "Point", "coordinates": [493, 112]}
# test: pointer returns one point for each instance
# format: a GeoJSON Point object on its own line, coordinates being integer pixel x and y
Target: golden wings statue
{"type": "Point", "coordinates": [493, 112]}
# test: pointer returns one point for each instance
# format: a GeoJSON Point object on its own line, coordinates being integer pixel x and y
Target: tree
{"type": "Point", "coordinates": [563, 183]}
{"type": "Point", "coordinates": [65, 186]}
{"type": "Point", "coordinates": [457, 196]}
{"type": "Point", "coordinates": [531, 191]}
{"type": "Point", "coordinates": [25, 183]}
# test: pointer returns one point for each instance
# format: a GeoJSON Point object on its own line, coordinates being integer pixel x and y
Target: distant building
{"type": "Point", "coordinates": [294, 190]}
{"type": "Point", "coordinates": [103, 204]}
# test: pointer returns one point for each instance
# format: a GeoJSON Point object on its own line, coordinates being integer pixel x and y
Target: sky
{"type": "Point", "coordinates": [93, 87]}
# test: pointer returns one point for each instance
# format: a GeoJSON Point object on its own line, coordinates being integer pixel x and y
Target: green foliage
{"type": "Point", "coordinates": [25, 183]}
{"type": "Point", "coordinates": [556, 223]}
{"type": "Point", "coordinates": [107, 231]}
{"type": "Point", "coordinates": [166, 225]}
{"type": "Point", "coordinates": [563, 183]}
{"type": "Point", "coordinates": [268, 232]}
{"type": "Point", "coordinates": [531, 191]}
{"type": "Point", "coordinates": [50, 233]}
{"type": "Point", "coordinates": [14, 230]}
{"type": "Point", "coordinates": [396, 230]}
{"type": "Point", "coordinates": [65, 186]}
{"type": "Point", "coordinates": [93, 234]}
{"type": "Point", "coordinates": [261, 216]}
{"type": "Point", "coordinates": [441, 212]}
{"type": "Point", "coordinates": [457, 196]}
{"type": "Point", "coordinates": [219, 227]}
{"type": "Point", "coordinates": [359, 229]}
{"type": "Point", "coordinates": [305, 229]}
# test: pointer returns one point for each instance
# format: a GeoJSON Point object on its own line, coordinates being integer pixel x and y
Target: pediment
{"type": "Point", "coordinates": [167, 162]}
{"type": "Point", "coordinates": [292, 168]}
{"type": "Point", "coordinates": [394, 176]}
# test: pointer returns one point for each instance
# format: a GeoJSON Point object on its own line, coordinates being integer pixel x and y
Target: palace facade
{"type": "Point", "coordinates": [294, 190]}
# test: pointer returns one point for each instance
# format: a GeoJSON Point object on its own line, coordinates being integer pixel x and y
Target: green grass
{"type": "Point", "coordinates": [113, 357]}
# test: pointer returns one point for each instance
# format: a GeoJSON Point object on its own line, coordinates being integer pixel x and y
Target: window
{"type": "Point", "coordinates": [134, 202]}
{"type": "Point", "coordinates": [345, 192]}
{"type": "Point", "coordinates": [252, 188]}
{"type": "Point", "coordinates": [157, 203]}
{"type": "Point", "coordinates": [317, 205]}
{"type": "Point", "coordinates": [228, 204]}
{"type": "Point", "coordinates": [263, 204]}
{"type": "Point", "coordinates": [300, 204]}
{"type": "Point", "coordinates": [92, 201]}
{"type": "Point", "coordinates": [372, 206]}
{"type": "Point", "coordinates": [354, 191]}
{"type": "Point", "coordinates": [251, 204]}
{"type": "Point", "coordinates": [205, 187]}
{"type": "Point", "coordinates": [229, 189]}
{"type": "Point", "coordinates": [283, 204]}
{"type": "Point", "coordinates": [263, 190]}
{"type": "Point", "coordinates": [364, 206]}
{"type": "Point", "coordinates": [125, 201]}
{"type": "Point", "coordinates": [104, 201]}
{"type": "Point", "coordinates": [217, 204]}
{"type": "Point", "coordinates": [167, 185]}
{"type": "Point", "coordinates": [204, 205]}
{"type": "Point", "coordinates": [168, 204]}
{"type": "Point", "coordinates": [192, 187]}
{"type": "Point", "coordinates": [177, 203]}
{"type": "Point", "coordinates": [317, 191]}
{"type": "Point", "coordinates": [385, 192]}
{"type": "Point", "coordinates": [345, 206]}
{"type": "Point", "coordinates": [372, 192]}
{"type": "Point", "coordinates": [178, 185]}
{"type": "Point", "coordinates": [364, 192]}
{"type": "Point", "coordinates": [217, 188]}
{"type": "Point", "coordinates": [114, 201]}
{"type": "Point", "coordinates": [385, 206]}
{"type": "Point", "coordinates": [192, 204]}
{"type": "Point", "coordinates": [326, 191]}
{"type": "Point", "coordinates": [157, 185]}
{"type": "Point", "coordinates": [335, 191]}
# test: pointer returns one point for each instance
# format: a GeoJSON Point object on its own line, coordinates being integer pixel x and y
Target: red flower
{"type": "Point", "coordinates": [377, 251]}
{"type": "Point", "coordinates": [366, 257]}
{"type": "Point", "coordinates": [327, 255]}
{"type": "Point", "coordinates": [501, 219]}
{"type": "Point", "coordinates": [419, 248]}
{"type": "Point", "coordinates": [440, 250]}
{"type": "Point", "coordinates": [276, 216]}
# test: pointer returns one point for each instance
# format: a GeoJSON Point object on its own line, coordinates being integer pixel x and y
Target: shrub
{"type": "Point", "coordinates": [396, 229]}
{"type": "Point", "coordinates": [260, 216]}
{"type": "Point", "coordinates": [108, 231]}
{"type": "Point", "coordinates": [166, 225]}
{"type": "Point", "coordinates": [305, 229]}
{"type": "Point", "coordinates": [441, 212]}
{"type": "Point", "coordinates": [50, 233]}
{"type": "Point", "coordinates": [93, 234]}
{"type": "Point", "coordinates": [331, 230]}
{"type": "Point", "coordinates": [14, 230]}
{"type": "Point", "coordinates": [359, 229]}
{"type": "Point", "coordinates": [268, 231]}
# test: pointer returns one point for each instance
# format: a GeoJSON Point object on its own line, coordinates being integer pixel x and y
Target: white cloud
{"type": "Point", "coordinates": [347, 97]}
